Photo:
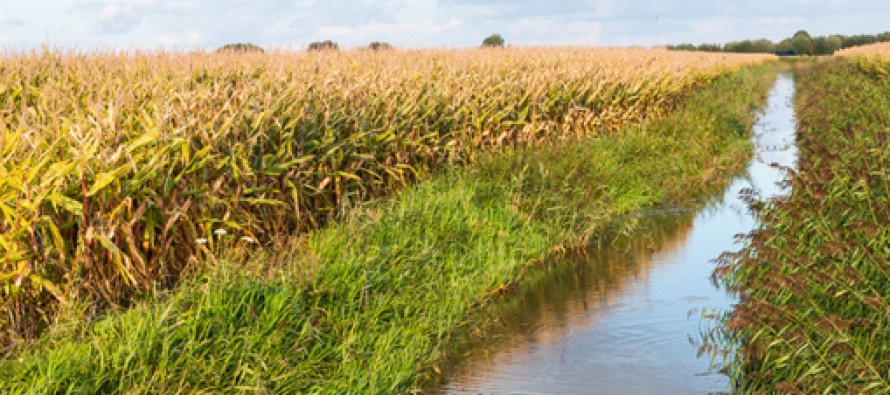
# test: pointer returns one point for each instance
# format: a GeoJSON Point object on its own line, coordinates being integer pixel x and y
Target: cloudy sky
{"type": "Point", "coordinates": [195, 24]}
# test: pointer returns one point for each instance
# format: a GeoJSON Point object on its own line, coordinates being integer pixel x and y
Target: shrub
{"type": "Point", "coordinates": [241, 47]}
{"type": "Point", "coordinates": [326, 45]}
{"type": "Point", "coordinates": [380, 46]}
{"type": "Point", "coordinates": [493, 41]}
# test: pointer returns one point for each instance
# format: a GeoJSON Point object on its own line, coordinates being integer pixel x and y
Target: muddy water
{"type": "Point", "coordinates": [621, 317]}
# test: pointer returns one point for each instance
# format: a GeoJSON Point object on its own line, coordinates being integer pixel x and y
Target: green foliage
{"type": "Point", "coordinates": [827, 44]}
{"type": "Point", "coordinates": [750, 46]}
{"type": "Point", "coordinates": [493, 41]}
{"type": "Point", "coordinates": [813, 280]}
{"type": "Point", "coordinates": [785, 48]}
{"type": "Point", "coordinates": [370, 304]}
{"type": "Point", "coordinates": [863, 39]}
{"type": "Point", "coordinates": [326, 45]}
{"type": "Point", "coordinates": [801, 43]}
{"type": "Point", "coordinates": [240, 47]}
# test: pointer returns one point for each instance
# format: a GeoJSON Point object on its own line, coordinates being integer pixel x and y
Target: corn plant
{"type": "Point", "coordinates": [121, 170]}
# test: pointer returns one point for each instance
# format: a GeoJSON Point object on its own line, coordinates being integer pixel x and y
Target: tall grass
{"type": "Point", "coordinates": [119, 171]}
{"type": "Point", "coordinates": [371, 302]}
{"type": "Point", "coordinates": [814, 280]}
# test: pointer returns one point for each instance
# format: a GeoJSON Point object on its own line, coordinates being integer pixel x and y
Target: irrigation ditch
{"type": "Point", "coordinates": [626, 314]}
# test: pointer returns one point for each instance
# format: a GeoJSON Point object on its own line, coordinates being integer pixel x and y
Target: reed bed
{"type": "Point", "coordinates": [121, 170]}
{"type": "Point", "coordinates": [814, 280]}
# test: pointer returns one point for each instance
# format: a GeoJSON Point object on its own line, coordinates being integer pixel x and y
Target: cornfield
{"type": "Point", "coordinates": [879, 49]}
{"type": "Point", "coordinates": [120, 170]}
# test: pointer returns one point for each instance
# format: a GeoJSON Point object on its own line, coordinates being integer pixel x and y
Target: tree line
{"type": "Point", "coordinates": [492, 41]}
{"type": "Point", "coordinates": [801, 43]}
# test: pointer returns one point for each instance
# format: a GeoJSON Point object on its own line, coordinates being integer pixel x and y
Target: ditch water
{"type": "Point", "coordinates": [624, 317]}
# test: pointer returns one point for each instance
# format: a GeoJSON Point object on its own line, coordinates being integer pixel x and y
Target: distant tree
{"type": "Point", "coordinates": [802, 43]}
{"type": "Point", "coordinates": [710, 47]}
{"type": "Point", "coordinates": [784, 48]}
{"type": "Point", "coordinates": [682, 47]}
{"type": "Point", "coordinates": [799, 44]}
{"type": "Point", "coordinates": [751, 46]}
{"type": "Point", "coordinates": [379, 46]}
{"type": "Point", "coordinates": [326, 45]}
{"type": "Point", "coordinates": [763, 46]}
{"type": "Point", "coordinates": [855, 41]}
{"type": "Point", "coordinates": [493, 41]}
{"type": "Point", "coordinates": [746, 46]}
{"type": "Point", "coordinates": [862, 39]}
{"type": "Point", "coordinates": [823, 45]}
{"type": "Point", "coordinates": [240, 47]}
{"type": "Point", "coordinates": [700, 47]}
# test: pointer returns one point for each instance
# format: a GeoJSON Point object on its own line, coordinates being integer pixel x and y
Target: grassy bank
{"type": "Point", "coordinates": [814, 315]}
{"type": "Point", "coordinates": [370, 303]}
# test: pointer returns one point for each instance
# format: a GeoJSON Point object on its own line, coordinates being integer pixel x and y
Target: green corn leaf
{"type": "Point", "coordinates": [102, 181]}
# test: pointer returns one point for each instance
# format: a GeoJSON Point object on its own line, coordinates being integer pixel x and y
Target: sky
{"type": "Point", "coordinates": [208, 24]}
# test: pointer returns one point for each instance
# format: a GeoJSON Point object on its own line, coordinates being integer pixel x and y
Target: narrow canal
{"type": "Point", "coordinates": [621, 318]}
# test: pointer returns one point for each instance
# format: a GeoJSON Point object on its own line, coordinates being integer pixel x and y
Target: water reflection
{"type": "Point", "coordinates": [568, 296]}
{"type": "Point", "coordinates": [615, 319]}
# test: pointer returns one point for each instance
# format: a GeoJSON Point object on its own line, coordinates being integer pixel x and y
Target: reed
{"type": "Point", "coordinates": [814, 279]}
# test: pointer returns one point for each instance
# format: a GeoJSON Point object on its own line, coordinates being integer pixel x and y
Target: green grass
{"type": "Point", "coordinates": [373, 302]}
{"type": "Point", "coordinates": [814, 280]}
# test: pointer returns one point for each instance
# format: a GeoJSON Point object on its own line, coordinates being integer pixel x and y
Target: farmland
{"type": "Point", "coordinates": [874, 50]}
{"type": "Point", "coordinates": [814, 313]}
{"type": "Point", "coordinates": [119, 171]}
{"type": "Point", "coordinates": [279, 182]}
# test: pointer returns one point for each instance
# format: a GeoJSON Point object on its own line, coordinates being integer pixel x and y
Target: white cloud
{"type": "Point", "coordinates": [122, 17]}
{"type": "Point", "coordinates": [13, 22]}
{"type": "Point", "coordinates": [552, 31]}
{"type": "Point", "coordinates": [375, 29]}
{"type": "Point", "coordinates": [423, 23]}
{"type": "Point", "coordinates": [186, 39]}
